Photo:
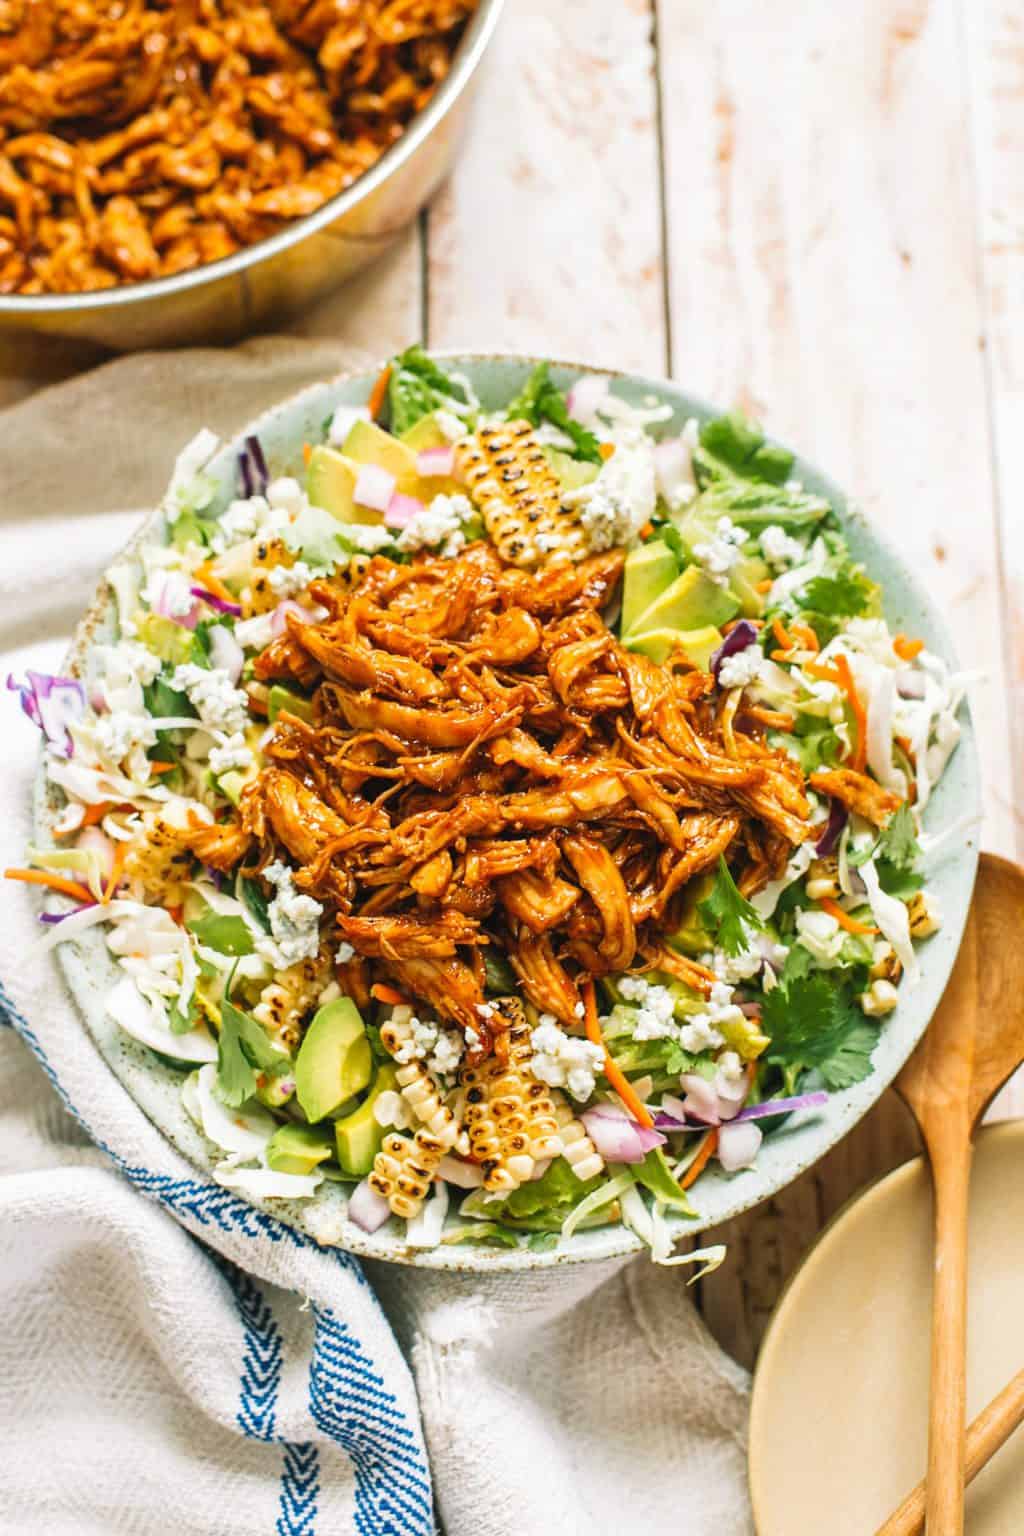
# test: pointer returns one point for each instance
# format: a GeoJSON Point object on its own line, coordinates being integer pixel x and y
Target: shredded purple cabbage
{"type": "Point", "coordinates": [58, 917]}
{"type": "Point", "coordinates": [53, 704]}
{"type": "Point", "coordinates": [665, 1122]}
{"type": "Point", "coordinates": [838, 816]}
{"type": "Point", "coordinates": [235, 609]}
{"type": "Point", "coordinates": [739, 637]}
{"type": "Point", "coordinates": [259, 463]}
{"type": "Point", "coordinates": [245, 474]}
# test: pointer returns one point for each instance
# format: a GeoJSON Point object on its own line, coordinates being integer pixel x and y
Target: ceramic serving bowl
{"type": "Point", "coordinates": [90, 969]}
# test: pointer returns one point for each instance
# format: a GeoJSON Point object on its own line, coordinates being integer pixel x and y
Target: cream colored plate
{"type": "Point", "coordinates": [838, 1427]}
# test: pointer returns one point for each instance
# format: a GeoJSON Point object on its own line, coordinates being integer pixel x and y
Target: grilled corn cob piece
{"type": "Point", "coordinates": [925, 917]}
{"type": "Point", "coordinates": [498, 1124]}
{"type": "Point", "coordinates": [519, 496]}
{"type": "Point", "coordinates": [539, 1106]}
{"type": "Point", "coordinates": [577, 1148]}
{"type": "Point", "coordinates": [285, 1001]}
{"type": "Point", "coordinates": [156, 864]}
{"type": "Point", "coordinates": [260, 596]}
{"type": "Point", "coordinates": [420, 1091]}
{"type": "Point", "coordinates": [404, 1169]}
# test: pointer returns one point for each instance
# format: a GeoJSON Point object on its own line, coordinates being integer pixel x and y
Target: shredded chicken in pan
{"type": "Point", "coordinates": [488, 770]}
{"type": "Point", "coordinates": [140, 138]}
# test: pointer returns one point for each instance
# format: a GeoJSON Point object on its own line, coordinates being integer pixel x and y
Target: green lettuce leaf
{"type": "Point", "coordinates": [540, 400]}
{"type": "Point", "coordinates": [417, 387]}
{"type": "Point", "coordinates": [733, 445]}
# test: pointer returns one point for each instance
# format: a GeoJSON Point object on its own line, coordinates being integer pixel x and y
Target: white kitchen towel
{"type": "Point", "coordinates": [174, 1359]}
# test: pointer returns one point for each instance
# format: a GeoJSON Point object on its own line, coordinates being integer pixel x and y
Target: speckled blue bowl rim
{"type": "Point", "coordinates": [89, 969]}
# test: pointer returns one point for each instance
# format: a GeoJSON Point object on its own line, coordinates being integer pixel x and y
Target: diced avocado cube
{"type": "Point", "coordinates": [424, 435]}
{"type": "Point", "coordinates": [367, 443]}
{"type": "Point", "coordinates": [649, 570]}
{"type": "Point", "coordinates": [692, 601]}
{"type": "Point", "coordinates": [171, 642]}
{"type": "Point", "coordinates": [331, 482]}
{"type": "Point", "coordinates": [274, 1091]}
{"type": "Point", "coordinates": [572, 473]}
{"type": "Point", "coordinates": [744, 578]}
{"type": "Point", "coordinates": [358, 1136]}
{"type": "Point", "coordinates": [697, 644]}
{"type": "Point", "coordinates": [692, 936]}
{"type": "Point", "coordinates": [280, 698]}
{"type": "Point", "coordinates": [298, 1148]}
{"type": "Point", "coordinates": [334, 1059]}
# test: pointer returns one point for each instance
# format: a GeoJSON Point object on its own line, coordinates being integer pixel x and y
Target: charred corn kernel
{"type": "Point", "coordinates": [519, 496]}
{"type": "Point", "coordinates": [577, 1148]}
{"type": "Point", "coordinates": [260, 596]}
{"type": "Point", "coordinates": [537, 1107]}
{"type": "Point", "coordinates": [881, 997]}
{"type": "Point", "coordinates": [419, 1091]}
{"type": "Point", "coordinates": [822, 879]}
{"type": "Point", "coordinates": [156, 865]}
{"type": "Point", "coordinates": [285, 1001]}
{"type": "Point", "coordinates": [923, 912]}
{"type": "Point", "coordinates": [497, 1131]}
{"type": "Point", "coordinates": [404, 1169]}
{"type": "Point", "coordinates": [885, 965]}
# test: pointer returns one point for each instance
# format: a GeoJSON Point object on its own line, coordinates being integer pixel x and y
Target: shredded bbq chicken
{"type": "Point", "coordinates": [489, 772]}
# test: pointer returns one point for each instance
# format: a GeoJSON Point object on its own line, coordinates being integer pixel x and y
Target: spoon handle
{"type": "Point", "coordinates": [948, 1136]}
{"type": "Point", "coordinates": [987, 1433]}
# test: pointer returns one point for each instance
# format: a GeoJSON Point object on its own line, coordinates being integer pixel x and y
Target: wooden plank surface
{"type": "Point", "coordinates": [823, 271]}
{"type": "Point", "coordinates": [547, 238]}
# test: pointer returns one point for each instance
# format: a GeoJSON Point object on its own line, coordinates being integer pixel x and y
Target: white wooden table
{"type": "Point", "coordinates": [813, 210]}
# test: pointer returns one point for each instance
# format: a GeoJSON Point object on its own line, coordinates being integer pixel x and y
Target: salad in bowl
{"type": "Point", "coordinates": [506, 809]}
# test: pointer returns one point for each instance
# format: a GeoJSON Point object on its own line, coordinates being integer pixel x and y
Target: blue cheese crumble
{"type": "Point", "coordinates": [294, 921]}
{"type": "Point", "coordinates": [218, 703]}
{"type": "Point", "coordinates": [564, 1061]}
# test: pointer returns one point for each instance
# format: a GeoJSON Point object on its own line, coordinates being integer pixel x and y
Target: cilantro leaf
{"type": "Point", "coordinates": [243, 1049]}
{"type": "Point", "coordinates": [180, 1023]}
{"type": "Point", "coordinates": [655, 1174]}
{"type": "Point", "coordinates": [735, 445]}
{"type": "Point", "coordinates": [845, 595]}
{"type": "Point", "coordinates": [901, 883]}
{"type": "Point", "coordinates": [898, 841]}
{"type": "Point", "coordinates": [812, 749]}
{"type": "Point", "coordinates": [726, 914]}
{"type": "Point", "coordinates": [417, 387]}
{"type": "Point", "coordinates": [812, 1023]}
{"type": "Point", "coordinates": [540, 399]}
{"type": "Point", "coordinates": [164, 702]}
{"type": "Point", "coordinates": [227, 935]}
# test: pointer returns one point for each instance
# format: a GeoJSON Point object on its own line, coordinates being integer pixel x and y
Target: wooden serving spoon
{"type": "Point", "coordinates": [973, 1044]}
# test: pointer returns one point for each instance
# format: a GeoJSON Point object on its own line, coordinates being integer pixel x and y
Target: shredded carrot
{"type": "Point", "coordinates": [206, 578]}
{"type": "Point", "coordinates": [907, 649]}
{"type": "Point", "coordinates": [618, 1079]}
{"type": "Point", "coordinates": [646, 530]}
{"type": "Point", "coordinates": [156, 766]}
{"type": "Point", "coordinates": [385, 994]}
{"type": "Point", "coordinates": [93, 814]}
{"type": "Point", "coordinates": [699, 1163]}
{"type": "Point", "coordinates": [375, 404]}
{"type": "Point", "coordinates": [904, 742]}
{"type": "Point", "coordinates": [307, 452]}
{"type": "Point", "coordinates": [860, 753]}
{"type": "Point", "coordinates": [116, 871]}
{"type": "Point", "coordinates": [825, 674]}
{"type": "Point", "coordinates": [806, 634]}
{"type": "Point", "coordinates": [606, 450]}
{"type": "Point", "coordinates": [177, 914]}
{"type": "Point", "coordinates": [782, 635]}
{"type": "Point", "coordinates": [52, 883]}
{"type": "Point", "coordinates": [781, 655]}
{"type": "Point", "coordinates": [764, 586]}
{"type": "Point", "coordinates": [843, 918]}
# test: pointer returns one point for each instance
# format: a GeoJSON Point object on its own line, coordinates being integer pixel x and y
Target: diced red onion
{"type": "Point", "coordinates": [739, 637]}
{"type": "Point", "coordinates": [783, 1106]}
{"type": "Point", "coordinates": [366, 1208]}
{"type": "Point", "coordinates": [701, 1101]}
{"type": "Point", "coordinates": [166, 608]}
{"type": "Point", "coordinates": [401, 510]}
{"type": "Point", "coordinates": [838, 816]}
{"type": "Point", "coordinates": [221, 605]}
{"type": "Point", "coordinates": [738, 1145]}
{"type": "Point", "coordinates": [586, 395]}
{"type": "Point", "coordinates": [53, 704]}
{"type": "Point", "coordinates": [374, 487]}
{"type": "Point", "coordinates": [261, 474]}
{"type": "Point", "coordinates": [277, 618]}
{"type": "Point", "coordinates": [435, 461]}
{"type": "Point", "coordinates": [225, 652]}
{"type": "Point", "coordinates": [462, 1174]}
{"type": "Point", "coordinates": [618, 1137]}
